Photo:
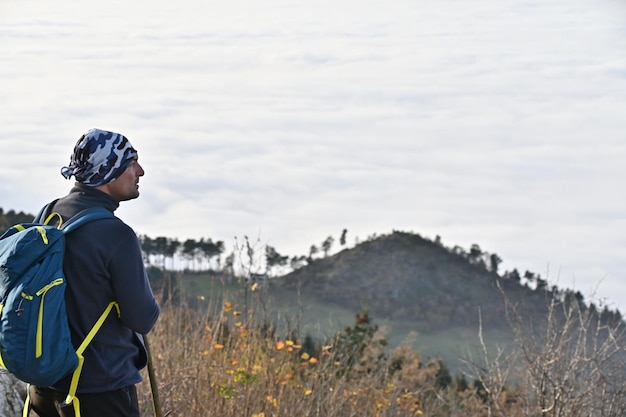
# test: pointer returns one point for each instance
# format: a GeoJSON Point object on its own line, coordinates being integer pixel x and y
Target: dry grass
{"type": "Point", "coordinates": [226, 364]}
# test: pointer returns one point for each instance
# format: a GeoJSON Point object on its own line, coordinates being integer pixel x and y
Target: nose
{"type": "Point", "coordinates": [140, 171]}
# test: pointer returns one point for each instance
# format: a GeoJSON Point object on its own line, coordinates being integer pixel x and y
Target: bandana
{"type": "Point", "coordinates": [99, 157]}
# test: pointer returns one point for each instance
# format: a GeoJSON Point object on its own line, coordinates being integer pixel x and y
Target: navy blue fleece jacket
{"type": "Point", "coordinates": [103, 263]}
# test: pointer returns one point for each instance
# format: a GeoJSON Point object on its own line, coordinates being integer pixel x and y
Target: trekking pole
{"type": "Point", "coordinates": [156, 402]}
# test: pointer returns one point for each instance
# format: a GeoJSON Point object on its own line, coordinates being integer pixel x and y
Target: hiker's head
{"type": "Point", "coordinates": [99, 157]}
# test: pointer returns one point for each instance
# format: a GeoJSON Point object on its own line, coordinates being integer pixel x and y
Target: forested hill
{"type": "Point", "coordinates": [402, 276]}
{"type": "Point", "coordinates": [11, 217]}
{"type": "Point", "coordinates": [399, 276]}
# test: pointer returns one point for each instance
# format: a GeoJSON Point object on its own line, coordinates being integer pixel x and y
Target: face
{"type": "Point", "coordinates": [126, 186]}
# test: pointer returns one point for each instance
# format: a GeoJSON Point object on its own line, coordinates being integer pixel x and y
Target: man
{"type": "Point", "coordinates": [102, 263]}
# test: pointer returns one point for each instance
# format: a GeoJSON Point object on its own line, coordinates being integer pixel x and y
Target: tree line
{"type": "Point", "coordinates": [199, 254]}
{"type": "Point", "coordinates": [207, 254]}
{"type": "Point", "coordinates": [11, 217]}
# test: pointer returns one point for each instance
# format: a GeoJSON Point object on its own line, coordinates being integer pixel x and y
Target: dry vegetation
{"type": "Point", "coordinates": [227, 364]}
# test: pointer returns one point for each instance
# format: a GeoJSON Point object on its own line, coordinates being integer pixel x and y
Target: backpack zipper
{"type": "Point", "coordinates": [42, 232]}
{"type": "Point", "coordinates": [41, 293]}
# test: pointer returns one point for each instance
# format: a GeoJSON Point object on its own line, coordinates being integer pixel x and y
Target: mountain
{"type": "Point", "coordinates": [402, 276]}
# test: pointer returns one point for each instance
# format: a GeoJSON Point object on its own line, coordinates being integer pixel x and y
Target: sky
{"type": "Point", "coordinates": [491, 122]}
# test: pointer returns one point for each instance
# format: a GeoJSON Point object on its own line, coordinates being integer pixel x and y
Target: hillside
{"type": "Point", "coordinates": [407, 284]}
{"type": "Point", "coordinates": [402, 276]}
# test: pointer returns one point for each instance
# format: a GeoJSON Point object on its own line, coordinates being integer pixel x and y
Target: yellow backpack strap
{"type": "Point", "coordinates": [71, 396]}
{"type": "Point", "coordinates": [51, 217]}
{"type": "Point", "coordinates": [26, 402]}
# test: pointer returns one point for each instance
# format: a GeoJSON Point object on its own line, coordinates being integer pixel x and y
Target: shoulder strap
{"type": "Point", "coordinates": [86, 216]}
{"type": "Point", "coordinates": [71, 396]}
{"type": "Point", "coordinates": [78, 220]}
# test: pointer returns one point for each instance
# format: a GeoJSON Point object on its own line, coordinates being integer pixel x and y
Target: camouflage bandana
{"type": "Point", "coordinates": [99, 157]}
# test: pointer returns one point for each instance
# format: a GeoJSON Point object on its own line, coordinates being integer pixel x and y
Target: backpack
{"type": "Point", "coordinates": [35, 341]}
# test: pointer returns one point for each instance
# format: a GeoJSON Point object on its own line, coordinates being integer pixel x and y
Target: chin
{"type": "Point", "coordinates": [130, 197]}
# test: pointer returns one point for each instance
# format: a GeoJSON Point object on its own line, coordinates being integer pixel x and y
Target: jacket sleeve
{"type": "Point", "coordinates": [138, 307]}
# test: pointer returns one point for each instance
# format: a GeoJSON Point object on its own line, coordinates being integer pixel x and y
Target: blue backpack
{"type": "Point", "coordinates": [35, 342]}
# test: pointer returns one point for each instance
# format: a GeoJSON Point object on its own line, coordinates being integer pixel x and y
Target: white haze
{"type": "Point", "coordinates": [499, 123]}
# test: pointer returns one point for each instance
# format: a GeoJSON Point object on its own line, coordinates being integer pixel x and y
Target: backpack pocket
{"type": "Point", "coordinates": [37, 345]}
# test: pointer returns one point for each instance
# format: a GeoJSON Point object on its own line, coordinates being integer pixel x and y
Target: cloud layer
{"type": "Point", "coordinates": [497, 123]}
